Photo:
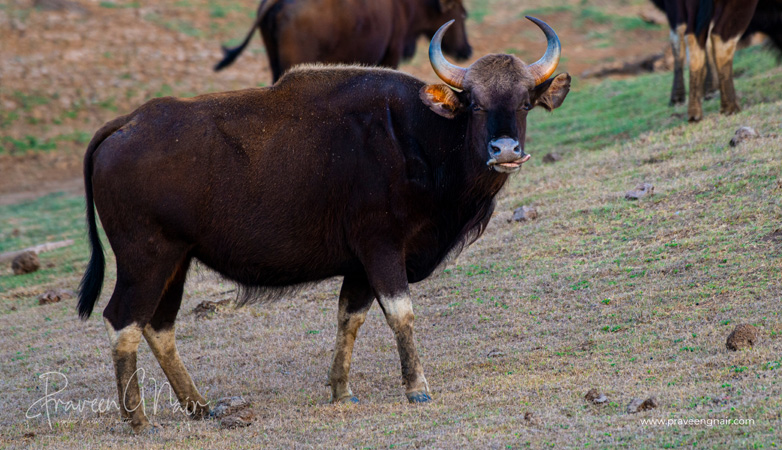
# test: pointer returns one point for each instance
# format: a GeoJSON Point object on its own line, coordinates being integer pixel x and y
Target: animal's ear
{"type": "Point", "coordinates": [445, 5]}
{"type": "Point", "coordinates": [440, 99]}
{"type": "Point", "coordinates": [551, 93]}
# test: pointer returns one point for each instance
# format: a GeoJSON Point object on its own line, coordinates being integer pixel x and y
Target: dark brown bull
{"type": "Point", "coordinates": [377, 32]}
{"type": "Point", "coordinates": [365, 173]}
{"type": "Point", "coordinates": [711, 29]}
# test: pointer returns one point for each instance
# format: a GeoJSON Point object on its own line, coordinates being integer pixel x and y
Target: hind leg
{"type": "Point", "coordinates": [355, 299]}
{"type": "Point", "coordinates": [140, 285]}
{"type": "Point", "coordinates": [159, 333]}
{"type": "Point", "coordinates": [712, 84]}
{"type": "Point", "coordinates": [697, 77]}
{"type": "Point", "coordinates": [678, 91]}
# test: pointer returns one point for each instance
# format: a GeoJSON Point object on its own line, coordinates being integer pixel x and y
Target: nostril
{"type": "Point", "coordinates": [517, 150]}
{"type": "Point", "coordinates": [495, 150]}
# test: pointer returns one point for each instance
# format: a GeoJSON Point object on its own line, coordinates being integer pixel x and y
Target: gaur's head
{"type": "Point", "coordinates": [455, 43]}
{"type": "Point", "coordinates": [497, 92]}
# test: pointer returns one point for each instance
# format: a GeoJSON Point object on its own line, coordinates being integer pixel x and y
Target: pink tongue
{"type": "Point", "coordinates": [525, 158]}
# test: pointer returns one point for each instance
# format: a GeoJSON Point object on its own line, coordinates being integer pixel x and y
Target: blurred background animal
{"type": "Point", "coordinates": [377, 32]}
{"type": "Point", "coordinates": [711, 29]}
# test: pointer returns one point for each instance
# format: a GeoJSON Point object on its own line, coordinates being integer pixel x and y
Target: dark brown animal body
{"type": "Point", "coordinates": [278, 186]}
{"type": "Point", "coordinates": [377, 32]}
{"type": "Point", "coordinates": [711, 29]}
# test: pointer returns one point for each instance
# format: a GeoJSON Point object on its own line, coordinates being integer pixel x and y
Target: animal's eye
{"type": "Point", "coordinates": [476, 108]}
{"type": "Point", "coordinates": [526, 106]}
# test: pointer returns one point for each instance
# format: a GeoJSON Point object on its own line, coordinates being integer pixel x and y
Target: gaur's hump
{"type": "Point", "coordinates": [327, 72]}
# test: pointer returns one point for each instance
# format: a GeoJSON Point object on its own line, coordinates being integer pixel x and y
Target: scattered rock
{"type": "Point", "coordinates": [495, 354]}
{"type": "Point", "coordinates": [229, 405]}
{"type": "Point", "coordinates": [720, 400]}
{"type": "Point", "coordinates": [530, 419]}
{"type": "Point", "coordinates": [53, 296]}
{"type": "Point", "coordinates": [524, 213]}
{"type": "Point", "coordinates": [60, 5]}
{"type": "Point", "coordinates": [774, 236]}
{"type": "Point", "coordinates": [587, 345]}
{"type": "Point", "coordinates": [27, 262]}
{"type": "Point", "coordinates": [241, 419]}
{"type": "Point", "coordinates": [550, 158]}
{"type": "Point", "coordinates": [233, 412]}
{"type": "Point", "coordinates": [637, 405]}
{"type": "Point", "coordinates": [642, 190]}
{"type": "Point", "coordinates": [743, 336]}
{"type": "Point", "coordinates": [742, 134]}
{"type": "Point", "coordinates": [595, 397]}
{"type": "Point", "coordinates": [205, 309]}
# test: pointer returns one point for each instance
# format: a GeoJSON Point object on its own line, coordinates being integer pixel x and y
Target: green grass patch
{"type": "Point", "coordinates": [50, 218]}
{"type": "Point", "coordinates": [478, 10]}
{"type": "Point", "coordinates": [115, 5]}
{"type": "Point", "coordinates": [610, 111]}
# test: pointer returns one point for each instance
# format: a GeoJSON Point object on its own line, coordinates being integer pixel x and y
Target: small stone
{"type": "Point", "coordinates": [27, 262]}
{"type": "Point", "coordinates": [524, 213]}
{"type": "Point", "coordinates": [550, 158]}
{"type": "Point", "coordinates": [743, 336]}
{"type": "Point", "coordinates": [593, 396]}
{"type": "Point", "coordinates": [637, 405]}
{"type": "Point", "coordinates": [227, 406]}
{"type": "Point", "coordinates": [495, 354]}
{"type": "Point", "coordinates": [240, 419]}
{"type": "Point", "coordinates": [530, 419]}
{"type": "Point", "coordinates": [742, 134]}
{"type": "Point", "coordinates": [53, 296]}
{"type": "Point", "coordinates": [60, 5]}
{"type": "Point", "coordinates": [642, 190]}
{"type": "Point", "coordinates": [206, 309]}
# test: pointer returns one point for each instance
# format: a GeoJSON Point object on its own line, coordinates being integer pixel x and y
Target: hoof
{"type": "Point", "coordinates": [201, 414]}
{"type": "Point", "coordinates": [418, 397]}
{"type": "Point", "coordinates": [350, 399]}
{"type": "Point", "coordinates": [145, 429]}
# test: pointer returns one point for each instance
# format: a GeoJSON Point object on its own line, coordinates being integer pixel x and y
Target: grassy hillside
{"type": "Point", "coordinates": [632, 298]}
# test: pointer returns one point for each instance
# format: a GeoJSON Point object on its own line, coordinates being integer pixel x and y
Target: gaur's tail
{"type": "Point", "coordinates": [92, 282]}
{"type": "Point", "coordinates": [230, 54]}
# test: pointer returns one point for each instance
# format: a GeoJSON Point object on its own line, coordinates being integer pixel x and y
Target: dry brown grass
{"type": "Point", "coordinates": [634, 299]}
{"type": "Point", "coordinates": [680, 270]}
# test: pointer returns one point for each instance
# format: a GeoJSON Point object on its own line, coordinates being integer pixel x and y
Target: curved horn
{"type": "Point", "coordinates": [451, 74]}
{"type": "Point", "coordinates": [545, 66]}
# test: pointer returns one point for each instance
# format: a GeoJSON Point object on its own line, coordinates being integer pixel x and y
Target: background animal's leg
{"type": "Point", "coordinates": [678, 91]}
{"type": "Point", "coordinates": [697, 77]}
{"type": "Point", "coordinates": [387, 275]}
{"type": "Point", "coordinates": [393, 57]}
{"type": "Point", "coordinates": [723, 55]}
{"type": "Point", "coordinates": [712, 83]}
{"type": "Point", "coordinates": [730, 21]}
{"type": "Point", "coordinates": [355, 299]}
{"type": "Point", "coordinates": [159, 334]}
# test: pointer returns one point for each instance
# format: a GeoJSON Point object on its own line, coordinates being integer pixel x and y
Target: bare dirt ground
{"type": "Point", "coordinates": [66, 72]}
